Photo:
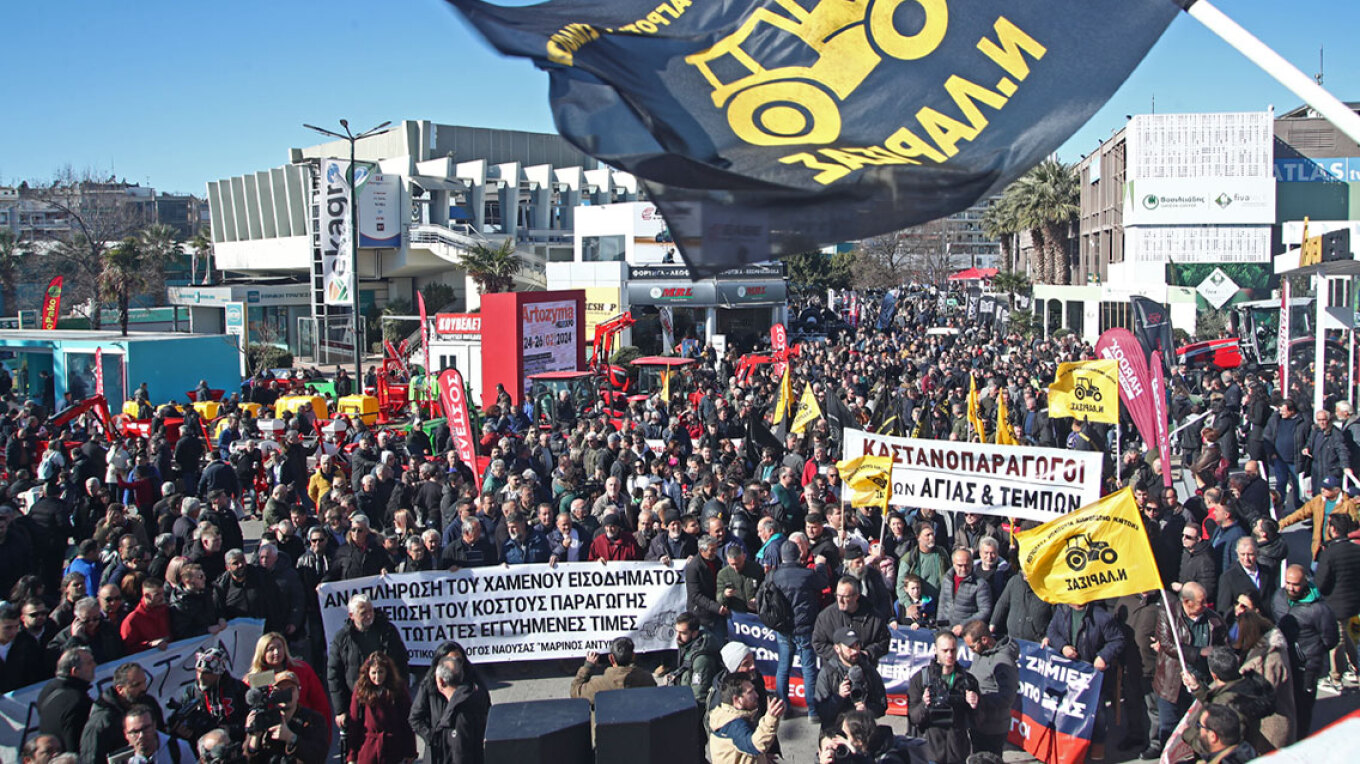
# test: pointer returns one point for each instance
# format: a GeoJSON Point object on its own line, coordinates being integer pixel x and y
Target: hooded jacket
{"type": "Point", "coordinates": [1309, 626]}
{"type": "Point", "coordinates": [998, 679]}
{"type": "Point", "coordinates": [697, 663]}
{"type": "Point", "coordinates": [738, 738]}
{"type": "Point", "coordinates": [1270, 658]}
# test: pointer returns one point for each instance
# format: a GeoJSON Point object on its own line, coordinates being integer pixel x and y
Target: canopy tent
{"type": "Point", "coordinates": [974, 274]}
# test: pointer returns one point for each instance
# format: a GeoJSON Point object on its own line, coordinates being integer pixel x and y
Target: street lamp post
{"type": "Point", "coordinates": [353, 138]}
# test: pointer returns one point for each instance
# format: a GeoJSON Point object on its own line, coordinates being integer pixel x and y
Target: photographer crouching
{"type": "Point", "coordinates": [941, 701]}
{"type": "Point", "coordinates": [278, 730]}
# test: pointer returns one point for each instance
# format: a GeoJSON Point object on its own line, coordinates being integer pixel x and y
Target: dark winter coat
{"type": "Point", "coordinates": [351, 561]}
{"type": "Point", "coordinates": [972, 599]}
{"type": "Point", "coordinates": [1310, 628]}
{"type": "Point", "coordinates": [192, 613]}
{"type": "Point", "coordinates": [1200, 565]}
{"type": "Point", "coordinates": [803, 589]}
{"type": "Point", "coordinates": [63, 708]}
{"type": "Point", "coordinates": [1236, 582]}
{"type": "Point", "coordinates": [701, 591]}
{"type": "Point", "coordinates": [24, 665]}
{"type": "Point", "coordinates": [351, 648]}
{"type": "Point", "coordinates": [827, 697]}
{"type": "Point", "coordinates": [103, 733]}
{"type": "Point", "coordinates": [453, 729]}
{"type": "Point", "coordinates": [1020, 614]}
{"type": "Point", "coordinates": [1338, 577]}
{"type": "Point", "coordinates": [1097, 636]}
{"type": "Point", "coordinates": [872, 631]}
{"type": "Point", "coordinates": [946, 743]}
{"type": "Point", "coordinates": [254, 596]}
{"type": "Point", "coordinates": [998, 677]}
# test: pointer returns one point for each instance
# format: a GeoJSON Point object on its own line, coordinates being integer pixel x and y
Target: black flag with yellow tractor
{"type": "Point", "coordinates": [1098, 551]}
{"type": "Point", "coordinates": [764, 128]}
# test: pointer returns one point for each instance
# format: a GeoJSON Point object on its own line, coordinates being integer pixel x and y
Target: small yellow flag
{"type": "Point", "coordinates": [974, 416]}
{"type": "Point", "coordinates": [1086, 390]}
{"type": "Point", "coordinates": [808, 410]}
{"type": "Point", "coordinates": [781, 407]}
{"type": "Point", "coordinates": [666, 386]}
{"type": "Point", "coordinates": [1098, 551]}
{"type": "Point", "coordinates": [869, 479]}
{"type": "Point", "coordinates": [1004, 435]}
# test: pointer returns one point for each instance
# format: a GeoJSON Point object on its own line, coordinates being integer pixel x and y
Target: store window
{"type": "Point", "coordinates": [80, 377]}
{"type": "Point", "coordinates": [602, 249]}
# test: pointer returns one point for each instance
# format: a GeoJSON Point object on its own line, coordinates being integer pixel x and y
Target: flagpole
{"type": "Point", "coordinates": [1257, 52]}
{"type": "Point", "coordinates": [1171, 622]}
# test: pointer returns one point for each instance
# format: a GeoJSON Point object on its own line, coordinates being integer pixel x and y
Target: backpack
{"type": "Point", "coordinates": [773, 608]}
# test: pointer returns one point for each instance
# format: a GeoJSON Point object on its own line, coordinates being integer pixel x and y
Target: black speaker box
{"type": "Point", "coordinates": [659, 725]}
{"type": "Point", "coordinates": [540, 732]}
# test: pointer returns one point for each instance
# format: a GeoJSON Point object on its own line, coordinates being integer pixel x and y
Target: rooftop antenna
{"type": "Point", "coordinates": [1154, 103]}
{"type": "Point", "coordinates": [1318, 76]}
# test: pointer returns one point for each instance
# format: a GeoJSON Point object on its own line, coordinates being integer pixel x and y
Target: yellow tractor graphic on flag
{"type": "Point", "coordinates": [790, 105]}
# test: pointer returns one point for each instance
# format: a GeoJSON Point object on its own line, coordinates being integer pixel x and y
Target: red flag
{"type": "Point", "coordinates": [99, 371]}
{"type": "Point", "coordinates": [455, 402]}
{"type": "Point", "coordinates": [52, 304]}
{"type": "Point", "coordinates": [1135, 389]}
{"type": "Point", "coordinates": [1159, 411]}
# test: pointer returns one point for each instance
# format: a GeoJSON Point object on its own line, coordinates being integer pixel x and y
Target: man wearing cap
{"type": "Point", "coordinates": [615, 543]}
{"type": "Point", "coordinates": [850, 612]}
{"type": "Point", "coordinates": [848, 680]}
{"type": "Point", "coordinates": [1327, 500]}
{"type": "Point", "coordinates": [214, 699]}
{"type": "Point", "coordinates": [619, 674]}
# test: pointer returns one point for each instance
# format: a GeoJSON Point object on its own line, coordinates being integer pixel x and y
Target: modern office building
{"type": "Point", "coordinates": [434, 193]}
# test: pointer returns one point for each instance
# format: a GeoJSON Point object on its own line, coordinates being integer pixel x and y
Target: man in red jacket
{"type": "Point", "coordinates": [148, 625]}
{"type": "Point", "coordinates": [615, 543]}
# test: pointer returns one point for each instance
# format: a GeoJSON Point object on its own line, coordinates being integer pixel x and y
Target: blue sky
{"type": "Point", "coordinates": [179, 93]}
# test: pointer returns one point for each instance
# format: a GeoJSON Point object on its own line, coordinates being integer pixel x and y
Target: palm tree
{"type": "Point", "coordinates": [1048, 200]}
{"type": "Point", "coordinates": [124, 274]}
{"type": "Point", "coordinates": [493, 268]}
{"type": "Point", "coordinates": [1010, 282]}
{"type": "Point", "coordinates": [200, 245]}
{"type": "Point", "coordinates": [158, 249]}
{"type": "Point", "coordinates": [1001, 222]}
{"type": "Point", "coordinates": [13, 254]}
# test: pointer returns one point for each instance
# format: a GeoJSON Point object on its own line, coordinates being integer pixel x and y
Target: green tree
{"type": "Point", "coordinates": [819, 271]}
{"type": "Point", "coordinates": [200, 246]}
{"type": "Point", "coordinates": [159, 249]}
{"type": "Point", "coordinates": [394, 331]}
{"type": "Point", "coordinates": [1001, 222]}
{"type": "Point", "coordinates": [438, 296]}
{"type": "Point", "coordinates": [14, 253]}
{"type": "Point", "coordinates": [493, 268]}
{"type": "Point", "coordinates": [1010, 283]}
{"type": "Point", "coordinates": [1047, 200]}
{"type": "Point", "coordinates": [124, 274]}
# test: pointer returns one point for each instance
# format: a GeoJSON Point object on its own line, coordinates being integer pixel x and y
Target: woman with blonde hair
{"type": "Point", "coordinates": [378, 722]}
{"type": "Point", "coordinates": [271, 654]}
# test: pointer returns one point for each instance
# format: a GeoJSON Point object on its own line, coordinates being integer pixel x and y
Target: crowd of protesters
{"type": "Point", "coordinates": [126, 544]}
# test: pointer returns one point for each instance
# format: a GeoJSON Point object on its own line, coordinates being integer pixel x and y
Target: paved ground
{"type": "Point", "coordinates": [536, 680]}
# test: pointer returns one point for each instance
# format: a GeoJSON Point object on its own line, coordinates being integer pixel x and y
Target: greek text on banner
{"type": "Point", "coordinates": [167, 671]}
{"type": "Point", "coordinates": [522, 612]}
{"type": "Point", "coordinates": [1006, 481]}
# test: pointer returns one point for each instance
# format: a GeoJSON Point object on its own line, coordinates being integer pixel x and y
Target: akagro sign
{"type": "Point", "coordinates": [522, 612]}
{"type": "Point", "coordinates": [1007, 481]}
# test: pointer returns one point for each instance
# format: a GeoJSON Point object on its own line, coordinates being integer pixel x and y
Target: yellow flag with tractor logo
{"type": "Point", "coordinates": [974, 415]}
{"type": "Point", "coordinates": [781, 407]}
{"type": "Point", "coordinates": [1098, 551]}
{"type": "Point", "coordinates": [869, 479]}
{"type": "Point", "coordinates": [1086, 390]}
{"type": "Point", "coordinates": [808, 410]}
{"type": "Point", "coordinates": [1004, 435]}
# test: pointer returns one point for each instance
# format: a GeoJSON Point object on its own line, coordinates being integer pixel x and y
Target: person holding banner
{"type": "Point", "coordinates": [1087, 632]}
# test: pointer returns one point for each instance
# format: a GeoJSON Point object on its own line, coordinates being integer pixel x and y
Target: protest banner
{"type": "Point", "coordinates": [1097, 552]}
{"type": "Point", "coordinates": [1003, 481]}
{"type": "Point", "coordinates": [1054, 712]}
{"type": "Point", "coordinates": [1087, 390]}
{"type": "Point", "coordinates": [525, 612]}
{"type": "Point", "coordinates": [1119, 345]}
{"type": "Point", "coordinates": [167, 671]}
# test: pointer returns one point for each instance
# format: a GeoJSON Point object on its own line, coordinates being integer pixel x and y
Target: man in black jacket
{"type": "Point", "coordinates": [1310, 628]}
{"type": "Point", "coordinates": [1285, 437]}
{"type": "Point", "coordinates": [215, 699]}
{"type": "Point", "coordinates": [850, 612]}
{"type": "Point", "coordinates": [1338, 580]}
{"type": "Point", "coordinates": [802, 587]}
{"type": "Point", "coordinates": [849, 680]}
{"type": "Point", "coordinates": [1243, 576]}
{"type": "Point", "coordinates": [103, 733]}
{"type": "Point", "coordinates": [23, 660]}
{"type": "Point", "coordinates": [450, 713]}
{"type": "Point", "coordinates": [701, 588]}
{"type": "Point", "coordinates": [64, 704]}
{"type": "Point", "coordinates": [360, 556]}
{"type": "Point", "coordinates": [366, 632]}
{"type": "Point", "coordinates": [245, 591]}
{"type": "Point", "coordinates": [1327, 450]}
{"type": "Point", "coordinates": [942, 699]}
{"type": "Point", "coordinates": [1199, 562]}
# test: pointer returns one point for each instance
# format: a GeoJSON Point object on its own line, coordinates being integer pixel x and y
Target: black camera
{"type": "Point", "coordinates": [940, 710]}
{"type": "Point", "coordinates": [266, 703]}
{"type": "Point", "coordinates": [859, 688]}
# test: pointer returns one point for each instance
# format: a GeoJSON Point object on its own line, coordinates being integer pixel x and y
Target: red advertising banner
{"type": "Point", "coordinates": [454, 397]}
{"type": "Point", "coordinates": [1159, 409]}
{"type": "Point", "coordinates": [779, 339]}
{"type": "Point", "coordinates": [457, 323]}
{"type": "Point", "coordinates": [1134, 380]}
{"type": "Point", "coordinates": [99, 371]}
{"type": "Point", "coordinates": [51, 308]}
{"type": "Point", "coordinates": [1286, 334]}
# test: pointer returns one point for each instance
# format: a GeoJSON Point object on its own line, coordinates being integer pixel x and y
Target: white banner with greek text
{"type": "Point", "coordinates": [526, 612]}
{"type": "Point", "coordinates": [167, 670]}
{"type": "Point", "coordinates": [1006, 481]}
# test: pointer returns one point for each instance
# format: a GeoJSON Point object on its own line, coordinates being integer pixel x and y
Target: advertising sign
{"type": "Point", "coordinates": [549, 331]}
{"type": "Point", "coordinates": [168, 671]}
{"type": "Point", "coordinates": [1197, 244]}
{"type": "Point", "coordinates": [1120, 345]}
{"type": "Point", "coordinates": [1217, 289]}
{"type": "Point", "coordinates": [337, 259]}
{"type": "Point", "coordinates": [454, 397]}
{"type": "Point", "coordinates": [379, 210]}
{"type": "Point", "coordinates": [51, 309]}
{"type": "Point", "coordinates": [457, 323]}
{"type": "Point", "coordinates": [1180, 201]}
{"type": "Point", "coordinates": [602, 304]}
{"type": "Point", "coordinates": [1004, 481]}
{"type": "Point", "coordinates": [524, 612]}
{"type": "Point", "coordinates": [99, 371]}
{"type": "Point", "coordinates": [681, 292]}
{"type": "Point", "coordinates": [1309, 170]}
